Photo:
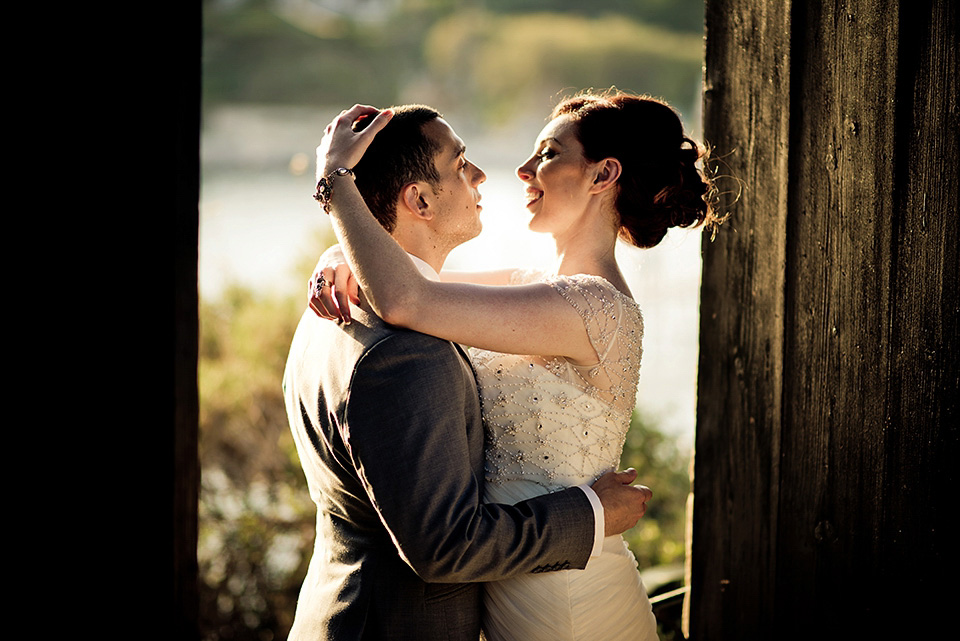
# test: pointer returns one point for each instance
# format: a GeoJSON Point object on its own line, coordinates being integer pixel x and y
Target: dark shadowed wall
{"type": "Point", "coordinates": [181, 195]}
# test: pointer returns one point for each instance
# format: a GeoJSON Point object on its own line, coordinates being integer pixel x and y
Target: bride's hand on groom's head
{"type": "Point", "coordinates": [346, 138]}
{"type": "Point", "coordinates": [332, 287]}
{"type": "Point", "coordinates": [623, 504]}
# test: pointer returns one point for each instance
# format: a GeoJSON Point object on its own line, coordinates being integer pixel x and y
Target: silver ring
{"type": "Point", "coordinates": [321, 283]}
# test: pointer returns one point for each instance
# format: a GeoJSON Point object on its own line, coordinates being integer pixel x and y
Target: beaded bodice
{"type": "Point", "coordinates": [550, 424]}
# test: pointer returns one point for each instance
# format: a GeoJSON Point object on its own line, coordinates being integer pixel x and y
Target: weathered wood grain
{"type": "Point", "coordinates": [736, 477]}
{"type": "Point", "coordinates": [840, 257]}
{"type": "Point", "coordinates": [828, 374]}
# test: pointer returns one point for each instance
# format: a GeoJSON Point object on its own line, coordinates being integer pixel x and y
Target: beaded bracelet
{"type": "Point", "coordinates": [325, 187]}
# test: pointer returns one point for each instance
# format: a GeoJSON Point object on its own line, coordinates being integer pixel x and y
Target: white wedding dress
{"type": "Point", "coordinates": [552, 425]}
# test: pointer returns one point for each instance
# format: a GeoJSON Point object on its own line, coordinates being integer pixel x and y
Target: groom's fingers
{"type": "Point", "coordinates": [628, 476]}
{"type": "Point", "coordinates": [646, 494]}
{"type": "Point", "coordinates": [623, 504]}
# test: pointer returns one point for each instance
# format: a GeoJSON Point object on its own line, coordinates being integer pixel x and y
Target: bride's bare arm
{"type": "Point", "coordinates": [339, 286]}
{"type": "Point", "coordinates": [527, 319]}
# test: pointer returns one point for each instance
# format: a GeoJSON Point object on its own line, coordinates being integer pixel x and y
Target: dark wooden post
{"type": "Point", "coordinates": [829, 377]}
{"type": "Point", "coordinates": [183, 81]}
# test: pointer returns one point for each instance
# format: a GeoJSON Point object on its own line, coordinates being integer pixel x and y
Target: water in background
{"type": "Point", "coordinates": [258, 222]}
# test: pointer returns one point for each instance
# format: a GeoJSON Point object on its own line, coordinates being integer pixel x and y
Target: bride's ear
{"type": "Point", "coordinates": [415, 200]}
{"type": "Point", "coordinates": [607, 174]}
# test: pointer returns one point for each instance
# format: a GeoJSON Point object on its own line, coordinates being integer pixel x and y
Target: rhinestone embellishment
{"type": "Point", "coordinates": [563, 424]}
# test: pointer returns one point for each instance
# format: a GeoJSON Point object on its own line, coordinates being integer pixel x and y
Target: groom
{"type": "Point", "coordinates": [387, 426]}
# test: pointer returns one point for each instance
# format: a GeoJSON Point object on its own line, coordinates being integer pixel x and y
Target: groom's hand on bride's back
{"type": "Point", "coordinates": [623, 503]}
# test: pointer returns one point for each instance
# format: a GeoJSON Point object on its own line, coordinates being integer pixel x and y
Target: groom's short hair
{"type": "Point", "coordinates": [401, 153]}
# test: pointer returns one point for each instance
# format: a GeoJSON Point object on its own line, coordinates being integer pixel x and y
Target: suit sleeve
{"type": "Point", "coordinates": [405, 429]}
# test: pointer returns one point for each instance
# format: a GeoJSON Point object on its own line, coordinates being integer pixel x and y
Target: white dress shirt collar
{"type": "Point", "coordinates": [425, 269]}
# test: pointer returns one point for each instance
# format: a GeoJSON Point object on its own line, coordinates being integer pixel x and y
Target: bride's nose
{"type": "Point", "coordinates": [524, 172]}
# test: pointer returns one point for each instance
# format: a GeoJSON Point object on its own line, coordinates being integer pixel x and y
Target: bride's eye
{"type": "Point", "coordinates": [546, 154]}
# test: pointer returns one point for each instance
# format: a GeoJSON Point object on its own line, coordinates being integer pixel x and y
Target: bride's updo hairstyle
{"type": "Point", "coordinates": [660, 186]}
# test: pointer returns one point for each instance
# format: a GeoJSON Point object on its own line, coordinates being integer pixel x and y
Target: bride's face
{"type": "Point", "coordinates": [558, 178]}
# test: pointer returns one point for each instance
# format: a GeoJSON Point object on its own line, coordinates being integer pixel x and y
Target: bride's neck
{"type": "Point", "coordinates": [587, 255]}
{"type": "Point", "coordinates": [587, 246]}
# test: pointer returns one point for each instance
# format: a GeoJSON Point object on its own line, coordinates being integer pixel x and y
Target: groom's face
{"type": "Point", "coordinates": [457, 196]}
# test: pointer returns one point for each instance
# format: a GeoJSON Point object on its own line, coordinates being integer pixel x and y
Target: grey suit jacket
{"type": "Point", "coordinates": [387, 426]}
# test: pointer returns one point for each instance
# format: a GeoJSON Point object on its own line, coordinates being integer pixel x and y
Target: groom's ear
{"type": "Point", "coordinates": [415, 199]}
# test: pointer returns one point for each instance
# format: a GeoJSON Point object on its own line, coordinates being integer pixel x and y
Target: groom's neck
{"type": "Point", "coordinates": [422, 248]}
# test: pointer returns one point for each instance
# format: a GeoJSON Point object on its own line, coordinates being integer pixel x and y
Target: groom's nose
{"type": "Point", "coordinates": [478, 176]}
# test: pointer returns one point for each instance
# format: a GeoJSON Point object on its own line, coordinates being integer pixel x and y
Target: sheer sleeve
{"type": "Point", "coordinates": [614, 326]}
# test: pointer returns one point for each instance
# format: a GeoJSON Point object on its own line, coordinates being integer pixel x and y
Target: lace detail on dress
{"type": "Point", "coordinates": [550, 423]}
{"type": "Point", "coordinates": [615, 328]}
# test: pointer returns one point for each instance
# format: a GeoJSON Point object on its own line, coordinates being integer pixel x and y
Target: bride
{"type": "Point", "coordinates": [557, 355]}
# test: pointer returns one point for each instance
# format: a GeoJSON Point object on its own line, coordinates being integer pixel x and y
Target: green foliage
{"type": "Point", "coordinates": [256, 517]}
{"type": "Point", "coordinates": [497, 62]}
{"type": "Point", "coordinates": [658, 539]}
{"type": "Point", "coordinates": [255, 544]}
{"type": "Point", "coordinates": [243, 343]}
{"type": "Point", "coordinates": [678, 15]}
{"type": "Point", "coordinates": [258, 52]}
{"type": "Point", "coordinates": [493, 60]}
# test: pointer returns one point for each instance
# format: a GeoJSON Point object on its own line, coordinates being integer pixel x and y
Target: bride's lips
{"type": "Point", "coordinates": [533, 195]}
